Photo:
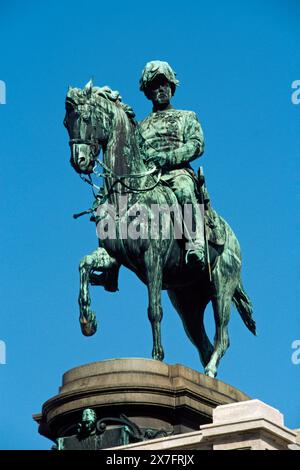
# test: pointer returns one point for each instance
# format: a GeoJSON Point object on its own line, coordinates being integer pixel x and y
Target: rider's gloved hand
{"type": "Point", "coordinates": [159, 160]}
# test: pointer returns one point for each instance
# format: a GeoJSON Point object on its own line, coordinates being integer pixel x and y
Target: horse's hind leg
{"type": "Point", "coordinates": [221, 306]}
{"type": "Point", "coordinates": [99, 260]}
{"type": "Point", "coordinates": [191, 306]}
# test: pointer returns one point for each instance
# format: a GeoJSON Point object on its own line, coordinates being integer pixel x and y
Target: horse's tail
{"type": "Point", "coordinates": [244, 307]}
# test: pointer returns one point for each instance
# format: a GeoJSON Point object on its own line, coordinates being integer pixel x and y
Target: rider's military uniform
{"type": "Point", "coordinates": [178, 136]}
{"type": "Point", "coordinates": [175, 133]}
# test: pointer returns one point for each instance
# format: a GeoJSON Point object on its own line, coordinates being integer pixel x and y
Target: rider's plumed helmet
{"type": "Point", "coordinates": [153, 69]}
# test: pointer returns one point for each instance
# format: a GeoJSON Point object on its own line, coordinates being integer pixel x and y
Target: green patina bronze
{"type": "Point", "coordinates": [87, 426]}
{"type": "Point", "coordinates": [149, 164]}
{"type": "Point", "coordinates": [170, 139]}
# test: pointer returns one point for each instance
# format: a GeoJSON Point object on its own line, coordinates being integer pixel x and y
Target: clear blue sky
{"type": "Point", "coordinates": [236, 62]}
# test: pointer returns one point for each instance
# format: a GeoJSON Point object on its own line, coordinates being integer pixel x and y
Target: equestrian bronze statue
{"type": "Point", "coordinates": [153, 214]}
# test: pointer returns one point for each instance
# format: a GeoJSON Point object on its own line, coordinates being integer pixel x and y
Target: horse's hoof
{"type": "Point", "coordinates": [88, 330]}
{"type": "Point", "coordinates": [158, 355]}
{"type": "Point", "coordinates": [88, 327]}
{"type": "Point", "coordinates": [210, 373]}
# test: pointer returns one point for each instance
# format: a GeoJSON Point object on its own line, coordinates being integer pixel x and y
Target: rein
{"type": "Point", "coordinates": [112, 174]}
{"type": "Point", "coordinates": [120, 178]}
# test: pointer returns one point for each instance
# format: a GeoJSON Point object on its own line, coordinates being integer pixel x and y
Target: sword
{"type": "Point", "coordinates": [201, 178]}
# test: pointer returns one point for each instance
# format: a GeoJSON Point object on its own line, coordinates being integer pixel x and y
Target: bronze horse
{"type": "Point", "coordinates": [96, 118]}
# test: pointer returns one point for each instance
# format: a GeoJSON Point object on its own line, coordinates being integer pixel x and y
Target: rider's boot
{"type": "Point", "coordinates": [196, 254]}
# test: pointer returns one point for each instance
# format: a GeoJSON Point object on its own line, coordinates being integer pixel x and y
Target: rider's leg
{"type": "Point", "coordinates": [183, 187]}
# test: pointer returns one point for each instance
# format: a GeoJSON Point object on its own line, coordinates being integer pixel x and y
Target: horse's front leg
{"type": "Point", "coordinates": [155, 313]}
{"type": "Point", "coordinates": [99, 260]}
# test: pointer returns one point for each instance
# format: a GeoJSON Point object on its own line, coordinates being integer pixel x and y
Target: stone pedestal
{"type": "Point", "coordinates": [248, 425]}
{"type": "Point", "coordinates": [252, 425]}
{"type": "Point", "coordinates": [159, 399]}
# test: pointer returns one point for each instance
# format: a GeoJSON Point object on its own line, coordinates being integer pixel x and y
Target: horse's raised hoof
{"type": "Point", "coordinates": [88, 326]}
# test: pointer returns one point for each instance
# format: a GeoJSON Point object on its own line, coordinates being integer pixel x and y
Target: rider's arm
{"type": "Point", "coordinates": [192, 147]}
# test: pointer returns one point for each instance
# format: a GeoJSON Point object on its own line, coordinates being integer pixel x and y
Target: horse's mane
{"type": "Point", "coordinates": [93, 93]}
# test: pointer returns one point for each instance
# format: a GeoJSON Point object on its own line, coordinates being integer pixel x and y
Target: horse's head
{"type": "Point", "coordinates": [96, 117]}
{"type": "Point", "coordinates": [87, 126]}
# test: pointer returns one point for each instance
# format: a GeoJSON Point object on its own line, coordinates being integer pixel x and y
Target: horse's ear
{"type": "Point", "coordinates": [88, 89]}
